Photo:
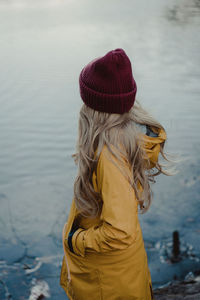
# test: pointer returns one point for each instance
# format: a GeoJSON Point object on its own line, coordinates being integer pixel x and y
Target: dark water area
{"type": "Point", "coordinates": [43, 46]}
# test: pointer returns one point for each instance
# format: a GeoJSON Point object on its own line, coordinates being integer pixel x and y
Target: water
{"type": "Point", "coordinates": [43, 46]}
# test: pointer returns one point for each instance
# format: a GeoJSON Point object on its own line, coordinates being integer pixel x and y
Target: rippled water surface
{"type": "Point", "coordinates": [43, 46]}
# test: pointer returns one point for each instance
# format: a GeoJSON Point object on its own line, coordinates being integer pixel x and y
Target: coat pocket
{"type": "Point", "coordinates": [69, 246]}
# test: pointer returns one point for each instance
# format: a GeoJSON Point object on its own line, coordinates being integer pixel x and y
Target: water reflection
{"type": "Point", "coordinates": [184, 12]}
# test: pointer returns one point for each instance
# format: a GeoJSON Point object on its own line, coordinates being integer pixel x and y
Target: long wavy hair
{"type": "Point", "coordinates": [96, 129]}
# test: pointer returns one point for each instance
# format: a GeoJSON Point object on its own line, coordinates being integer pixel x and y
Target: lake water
{"type": "Point", "coordinates": [43, 47]}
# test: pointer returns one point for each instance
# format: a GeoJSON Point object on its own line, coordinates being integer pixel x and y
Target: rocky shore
{"type": "Point", "coordinates": [189, 289]}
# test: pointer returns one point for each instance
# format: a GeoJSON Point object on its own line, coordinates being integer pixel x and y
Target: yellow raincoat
{"type": "Point", "coordinates": [109, 261]}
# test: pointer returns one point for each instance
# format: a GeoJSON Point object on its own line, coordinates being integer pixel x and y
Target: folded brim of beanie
{"type": "Point", "coordinates": [110, 103]}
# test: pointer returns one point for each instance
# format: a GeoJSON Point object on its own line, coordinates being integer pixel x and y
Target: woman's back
{"type": "Point", "coordinates": [110, 259]}
{"type": "Point", "coordinates": [112, 256]}
{"type": "Point", "coordinates": [148, 136]}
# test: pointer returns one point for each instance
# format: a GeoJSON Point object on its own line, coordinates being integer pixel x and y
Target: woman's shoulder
{"type": "Point", "coordinates": [106, 153]}
{"type": "Point", "coordinates": [107, 160]}
{"type": "Point", "coordinates": [111, 168]}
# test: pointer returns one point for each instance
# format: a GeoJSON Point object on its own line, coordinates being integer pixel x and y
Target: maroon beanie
{"type": "Point", "coordinates": [107, 83]}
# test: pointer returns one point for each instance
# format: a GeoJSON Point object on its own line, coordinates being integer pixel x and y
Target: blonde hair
{"type": "Point", "coordinates": [97, 129]}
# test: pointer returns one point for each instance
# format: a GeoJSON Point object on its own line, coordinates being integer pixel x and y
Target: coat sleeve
{"type": "Point", "coordinates": [150, 142]}
{"type": "Point", "coordinates": [117, 229]}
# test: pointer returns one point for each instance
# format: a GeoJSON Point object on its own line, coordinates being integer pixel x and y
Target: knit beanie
{"type": "Point", "coordinates": [107, 83]}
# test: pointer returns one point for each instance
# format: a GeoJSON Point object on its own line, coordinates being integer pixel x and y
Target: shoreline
{"type": "Point", "coordinates": [189, 288]}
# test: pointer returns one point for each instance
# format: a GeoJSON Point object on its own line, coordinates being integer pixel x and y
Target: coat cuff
{"type": "Point", "coordinates": [78, 242]}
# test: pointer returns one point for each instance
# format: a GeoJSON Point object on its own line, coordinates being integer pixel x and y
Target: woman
{"type": "Point", "coordinates": [117, 150]}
